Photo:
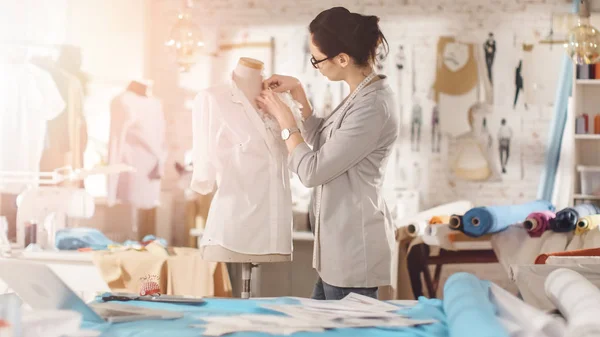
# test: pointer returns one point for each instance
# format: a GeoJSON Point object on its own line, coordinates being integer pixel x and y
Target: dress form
{"type": "Point", "coordinates": [247, 76]}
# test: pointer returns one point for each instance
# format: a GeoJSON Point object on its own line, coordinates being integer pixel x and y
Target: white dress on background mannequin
{"type": "Point", "coordinates": [137, 139]}
{"type": "Point", "coordinates": [240, 150]}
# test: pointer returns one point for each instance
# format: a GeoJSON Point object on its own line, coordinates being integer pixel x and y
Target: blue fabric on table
{"type": "Point", "coordinates": [557, 126]}
{"type": "Point", "coordinates": [468, 308]}
{"type": "Point", "coordinates": [497, 218]}
{"type": "Point", "coordinates": [76, 238]}
{"type": "Point", "coordinates": [425, 309]}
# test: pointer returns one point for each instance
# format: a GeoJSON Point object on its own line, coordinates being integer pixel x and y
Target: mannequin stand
{"type": "Point", "coordinates": [220, 254]}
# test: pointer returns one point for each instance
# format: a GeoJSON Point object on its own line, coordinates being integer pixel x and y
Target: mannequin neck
{"type": "Point", "coordinates": [249, 81]}
{"type": "Point", "coordinates": [138, 88]}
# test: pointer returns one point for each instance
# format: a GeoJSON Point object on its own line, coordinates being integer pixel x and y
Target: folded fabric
{"type": "Point", "coordinates": [468, 307]}
{"type": "Point", "coordinates": [587, 223]}
{"type": "Point", "coordinates": [522, 319]}
{"type": "Point", "coordinates": [577, 299]}
{"type": "Point", "coordinates": [81, 237]}
{"type": "Point", "coordinates": [456, 222]}
{"type": "Point", "coordinates": [439, 220]}
{"type": "Point", "coordinates": [487, 220]}
{"type": "Point", "coordinates": [541, 259]}
{"type": "Point", "coordinates": [566, 220]}
{"type": "Point", "coordinates": [537, 223]}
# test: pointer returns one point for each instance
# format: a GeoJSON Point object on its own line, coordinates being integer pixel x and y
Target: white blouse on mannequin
{"type": "Point", "coordinates": [240, 150]}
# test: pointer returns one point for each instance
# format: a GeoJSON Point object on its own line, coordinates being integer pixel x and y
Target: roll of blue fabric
{"type": "Point", "coordinates": [468, 308]}
{"type": "Point", "coordinates": [485, 220]}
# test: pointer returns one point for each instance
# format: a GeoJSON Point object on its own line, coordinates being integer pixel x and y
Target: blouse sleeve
{"type": "Point", "coordinates": [205, 128]}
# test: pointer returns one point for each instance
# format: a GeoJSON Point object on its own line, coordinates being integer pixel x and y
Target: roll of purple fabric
{"type": "Point", "coordinates": [538, 222]}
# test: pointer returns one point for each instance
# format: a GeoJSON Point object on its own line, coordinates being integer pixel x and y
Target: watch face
{"type": "Point", "coordinates": [285, 134]}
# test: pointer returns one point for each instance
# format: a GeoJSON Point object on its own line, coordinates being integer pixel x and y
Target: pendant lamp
{"type": "Point", "coordinates": [583, 42]}
{"type": "Point", "coordinates": [186, 39]}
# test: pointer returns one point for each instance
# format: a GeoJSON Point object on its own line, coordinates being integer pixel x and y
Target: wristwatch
{"type": "Point", "coordinates": [286, 133]}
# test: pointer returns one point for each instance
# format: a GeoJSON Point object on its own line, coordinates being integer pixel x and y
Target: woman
{"type": "Point", "coordinates": [349, 151]}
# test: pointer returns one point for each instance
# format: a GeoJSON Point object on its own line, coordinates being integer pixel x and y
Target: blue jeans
{"type": "Point", "coordinates": [324, 291]}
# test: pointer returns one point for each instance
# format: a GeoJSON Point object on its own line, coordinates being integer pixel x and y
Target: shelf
{"type": "Point", "coordinates": [588, 82]}
{"type": "Point", "coordinates": [585, 197]}
{"type": "Point", "coordinates": [587, 137]}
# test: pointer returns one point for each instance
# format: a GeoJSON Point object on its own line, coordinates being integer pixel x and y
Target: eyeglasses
{"type": "Point", "coordinates": [314, 62]}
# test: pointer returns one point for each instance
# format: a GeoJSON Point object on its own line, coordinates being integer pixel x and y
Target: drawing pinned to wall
{"type": "Point", "coordinates": [415, 125]}
{"type": "Point", "coordinates": [505, 134]}
{"type": "Point", "coordinates": [455, 86]}
{"type": "Point", "coordinates": [518, 83]}
{"type": "Point", "coordinates": [506, 127]}
{"type": "Point", "coordinates": [489, 48]}
{"type": "Point", "coordinates": [470, 155]}
{"type": "Point", "coordinates": [436, 133]}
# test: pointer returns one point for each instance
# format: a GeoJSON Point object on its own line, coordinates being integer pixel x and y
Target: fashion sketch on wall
{"type": "Point", "coordinates": [505, 134]}
{"type": "Point", "coordinates": [518, 83]}
{"type": "Point", "coordinates": [489, 48]}
{"type": "Point", "coordinates": [436, 133]}
{"type": "Point", "coordinates": [455, 86]}
{"type": "Point", "coordinates": [416, 121]}
{"type": "Point", "coordinates": [471, 156]}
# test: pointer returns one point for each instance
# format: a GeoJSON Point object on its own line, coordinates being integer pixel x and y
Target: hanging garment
{"type": "Point", "coordinates": [138, 139]}
{"type": "Point", "coordinates": [29, 98]}
{"type": "Point", "coordinates": [240, 150]}
{"type": "Point", "coordinates": [66, 138]}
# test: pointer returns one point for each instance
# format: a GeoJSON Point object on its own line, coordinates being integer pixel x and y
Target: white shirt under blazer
{"type": "Point", "coordinates": [240, 150]}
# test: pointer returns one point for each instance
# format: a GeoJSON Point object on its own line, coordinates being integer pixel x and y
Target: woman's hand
{"type": "Point", "coordinates": [281, 83]}
{"type": "Point", "coordinates": [271, 104]}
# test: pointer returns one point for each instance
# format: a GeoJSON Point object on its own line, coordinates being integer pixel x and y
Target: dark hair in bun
{"type": "Point", "coordinates": [337, 30]}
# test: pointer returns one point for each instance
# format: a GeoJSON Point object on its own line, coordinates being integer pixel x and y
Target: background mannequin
{"type": "Point", "coordinates": [248, 77]}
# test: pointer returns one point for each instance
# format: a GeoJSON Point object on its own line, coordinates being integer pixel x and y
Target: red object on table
{"type": "Point", "coordinates": [149, 288]}
{"type": "Point", "coordinates": [541, 259]}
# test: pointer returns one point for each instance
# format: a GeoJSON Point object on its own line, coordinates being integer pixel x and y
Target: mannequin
{"type": "Point", "coordinates": [247, 76]}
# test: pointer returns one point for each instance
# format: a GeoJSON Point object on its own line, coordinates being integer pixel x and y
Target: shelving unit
{"type": "Point", "coordinates": [586, 99]}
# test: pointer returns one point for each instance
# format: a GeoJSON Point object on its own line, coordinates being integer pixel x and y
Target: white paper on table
{"type": "Point", "coordinates": [404, 303]}
{"type": "Point", "coordinates": [368, 303]}
{"type": "Point", "coordinates": [521, 319]}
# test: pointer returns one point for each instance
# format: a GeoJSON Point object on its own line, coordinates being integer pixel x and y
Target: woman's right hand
{"type": "Point", "coordinates": [281, 83]}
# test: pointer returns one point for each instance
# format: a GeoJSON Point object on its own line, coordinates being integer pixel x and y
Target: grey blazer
{"type": "Point", "coordinates": [353, 248]}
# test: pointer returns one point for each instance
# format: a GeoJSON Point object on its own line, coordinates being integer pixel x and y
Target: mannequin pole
{"type": "Point", "coordinates": [246, 278]}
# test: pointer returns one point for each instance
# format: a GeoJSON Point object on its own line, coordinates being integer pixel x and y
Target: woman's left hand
{"type": "Point", "coordinates": [271, 104]}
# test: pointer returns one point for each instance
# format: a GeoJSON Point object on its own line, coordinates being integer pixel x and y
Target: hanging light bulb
{"type": "Point", "coordinates": [583, 44]}
{"type": "Point", "coordinates": [186, 40]}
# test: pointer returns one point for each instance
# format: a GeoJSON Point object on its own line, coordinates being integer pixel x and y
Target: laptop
{"type": "Point", "coordinates": [39, 287]}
